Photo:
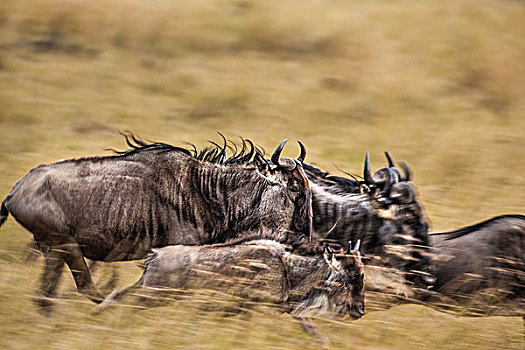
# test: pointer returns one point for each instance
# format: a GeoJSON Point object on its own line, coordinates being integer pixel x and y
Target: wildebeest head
{"type": "Point", "coordinates": [297, 199]}
{"type": "Point", "coordinates": [405, 226]}
{"type": "Point", "coordinates": [345, 287]}
{"type": "Point", "coordinates": [275, 198]}
{"type": "Point", "coordinates": [342, 292]}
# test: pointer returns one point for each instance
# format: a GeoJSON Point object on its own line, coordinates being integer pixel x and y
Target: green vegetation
{"type": "Point", "coordinates": [438, 84]}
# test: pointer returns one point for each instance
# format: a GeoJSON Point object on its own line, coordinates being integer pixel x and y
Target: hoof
{"type": "Point", "coordinates": [45, 305]}
{"type": "Point", "coordinates": [93, 295]}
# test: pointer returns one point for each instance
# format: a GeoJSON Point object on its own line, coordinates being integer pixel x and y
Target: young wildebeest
{"type": "Point", "coordinates": [382, 210]}
{"type": "Point", "coordinates": [261, 270]}
{"type": "Point", "coordinates": [481, 268]}
{"type": "Point", "coordinates": [115, 208]}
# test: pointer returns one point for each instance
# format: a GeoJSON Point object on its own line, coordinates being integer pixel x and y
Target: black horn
{"type": "Point", "coordinates": [303, 152]}
{"type": "Point", "coordinates": [284, 163]}
{"type": "Point", "coordinates": [367, 175]}
{"type": "Point", "coordinates": [277, 153]}
{"type": "Point", "coordinates": [389, 159]}
{"type": "Point", "coordinates": [406, 170]}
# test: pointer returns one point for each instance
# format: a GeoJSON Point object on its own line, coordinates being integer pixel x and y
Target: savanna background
{"type": "Point", "coordinates": [438, 84]}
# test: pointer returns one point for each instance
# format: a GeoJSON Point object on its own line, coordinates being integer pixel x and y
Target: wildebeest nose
{"type": "Point", "coordinates": [357, 311]}
{"type": "Point", "coordinates": [361, 311]}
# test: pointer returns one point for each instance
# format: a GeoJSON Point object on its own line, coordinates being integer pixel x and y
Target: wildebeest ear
{"type": "Point", "coordinates": [329, 257]}
{"type": "Point", "coordinates": [363, 188]}
{"type": "Point", "coordinates": [328, 253]}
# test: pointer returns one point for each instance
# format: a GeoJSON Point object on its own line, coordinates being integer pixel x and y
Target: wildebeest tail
{"type": "Point", "coordinates": [4, 213]}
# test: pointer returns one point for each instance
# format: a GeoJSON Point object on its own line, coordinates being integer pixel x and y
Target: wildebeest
{"type": "Point", "coordinates": [481, 268]}
{"type": "Point", "coordinates": [382, 210]}
{"type": "Point", "coordinates": [263, 270]}
{"type": "Point", "coordinates": [119, 207]}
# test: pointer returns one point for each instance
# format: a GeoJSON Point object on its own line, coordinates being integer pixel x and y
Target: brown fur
{"type": "Point", "coordinates": [258, 271]}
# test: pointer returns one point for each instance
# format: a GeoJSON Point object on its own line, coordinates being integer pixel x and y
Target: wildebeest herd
{"type": "Point", "coordinates": [264, 229]}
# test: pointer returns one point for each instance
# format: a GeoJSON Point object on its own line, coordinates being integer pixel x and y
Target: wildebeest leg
{"type": "Point", "coordinates": [310, 328]}
{"type": "Point", "coordinates": [32, 252]}
{"type": "Point", "coordinates": [111, 283]}
{"type": "Point", "coordinates": [93, 264]}
{"type": "Point", "coordinates": [113, 280]}
{"type": "Point", "coordinates": [75, 260]}
{"type": "Point", "coordinates": [114, 298]}
{"type": "Point", "coordinates": [53, 266]}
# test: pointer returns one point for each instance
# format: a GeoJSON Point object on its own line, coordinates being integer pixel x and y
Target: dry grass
{"type": "Point", "coordinates": [439, 84]}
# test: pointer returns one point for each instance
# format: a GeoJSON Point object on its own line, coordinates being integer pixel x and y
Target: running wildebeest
{"type": "Point", "coordinates": [481, 268]}
{"type": "Point", "coordinates": [382, 210]}
{"type": "Point", "coordinates": [119, 207]}
{"type": "Point", "coordinates": [260, 270]}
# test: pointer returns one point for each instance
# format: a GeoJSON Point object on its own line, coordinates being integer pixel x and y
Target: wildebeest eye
{"type": "Point", "coordinates": [411, 222]}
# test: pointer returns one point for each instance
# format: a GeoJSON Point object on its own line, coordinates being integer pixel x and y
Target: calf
{"type": "Point", "coordinates": [260, 270]}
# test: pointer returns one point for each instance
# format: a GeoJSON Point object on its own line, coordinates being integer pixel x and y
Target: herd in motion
{"type": "Point", "coordinates": [277, 230]}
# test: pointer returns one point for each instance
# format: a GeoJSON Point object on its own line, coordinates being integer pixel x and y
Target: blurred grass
{"type": "Point", "coordinates": [438, 84]}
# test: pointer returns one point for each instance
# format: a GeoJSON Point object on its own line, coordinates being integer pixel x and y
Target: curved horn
{"type": "Point", "coordinates": [366, 173]}
{"type": "Point", "coordinates": [277, 153]}
{"type": "Point", "coordinates": [303, 152]}
{"type": "Point", "coordinates": [389, 159]}
{"type": "Point", "coordinates": [406, 170]}
{"type": "Point", "coordinates": [389, 181]}
{"type": "Point", "coordinates": [357, 245]}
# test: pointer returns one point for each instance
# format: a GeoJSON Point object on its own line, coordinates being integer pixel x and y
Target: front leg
{"type": "Point", "coordinates": [75, 260]}
{"type": "Point", "coordinates": [309, 327]}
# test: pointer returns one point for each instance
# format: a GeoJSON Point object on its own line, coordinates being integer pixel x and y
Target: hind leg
{"type": "Point", "coordinates": [116, 297]}
{"type": "Point", "coordinates": [53, 266]}
{"type": "Point", "coordinates": [111, 283]}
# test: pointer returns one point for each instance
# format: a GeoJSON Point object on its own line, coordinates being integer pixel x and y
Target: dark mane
{"type": "Point", "coordinates": [344, 184]}
{"type": "Point", "coordinates": [244, 154]}
{"type": "Point", "coordinates": [468, 229]}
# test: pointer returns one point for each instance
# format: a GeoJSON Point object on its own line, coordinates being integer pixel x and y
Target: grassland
{"type": "Point", "coordinates": [438, 84]}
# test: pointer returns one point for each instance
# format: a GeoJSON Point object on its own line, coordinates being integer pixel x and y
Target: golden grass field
{"type": "Point", "coordinates": [438, 84]}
